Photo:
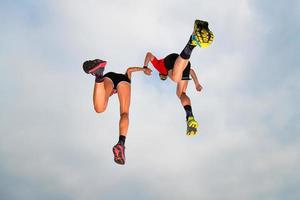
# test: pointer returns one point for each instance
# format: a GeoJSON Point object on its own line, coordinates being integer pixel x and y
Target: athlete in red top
{"type": "Point", "coordinates": [178, 68]}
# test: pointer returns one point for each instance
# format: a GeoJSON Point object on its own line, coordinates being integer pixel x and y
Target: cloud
{"type": "Point", "coordinates": [53, 145]}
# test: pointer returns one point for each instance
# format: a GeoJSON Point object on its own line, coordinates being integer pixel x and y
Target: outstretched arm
{"type": "Point", "coordinates": [149, 57]}
{"type": "Point", "coordinates": [195, 79]}
{"type": "Point", "coordinates": [136, 69]}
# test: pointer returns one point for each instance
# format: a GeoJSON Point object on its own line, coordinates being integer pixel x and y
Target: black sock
{"type": "Point", "coordinates": [99, 72]}
{"type": "Point", "coordinates": [188, 111]}
{"type": "Point", "coordinates": [99, 78]}
{"type": "Point", "coordinates": [122, 139]}
{"type": "Point", "coordinates": [187, 51]}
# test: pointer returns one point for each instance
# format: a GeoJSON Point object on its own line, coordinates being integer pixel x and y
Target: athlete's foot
{"type": "Point", "coordinates": [95, 67]}
{"type": "Point", "coordinates": [200, 24]}
{"type": "Point", "coordinates": [193, 40]}
{"type": "Point", "coordinates": [201, 36]}
{"type": "Point", "coordinates": [119, 153]}
{"type": "Point", "coordinates": [192, 126]}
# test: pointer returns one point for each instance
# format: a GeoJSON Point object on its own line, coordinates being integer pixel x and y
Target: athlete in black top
{"type": "Point", "coordinates": [107, 85]}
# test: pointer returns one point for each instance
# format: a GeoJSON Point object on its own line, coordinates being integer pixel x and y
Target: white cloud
{"type": "Point", "coordinates": [51, 139]}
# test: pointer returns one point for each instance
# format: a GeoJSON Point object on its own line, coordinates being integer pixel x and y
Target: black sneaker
{"type": "Point", "coordinates": [94, 67]}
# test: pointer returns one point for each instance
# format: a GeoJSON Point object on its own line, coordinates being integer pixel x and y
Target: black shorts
{"type": "Point", "coordinates": [117, 78]}
{"type": "Point", "coordinates": [169, 64]}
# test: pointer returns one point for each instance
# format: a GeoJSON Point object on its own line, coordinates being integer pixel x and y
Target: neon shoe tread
{"type": "Point", "coordinates": [202, 36]}
{"type": "Point", "coordinates": [192, 126]}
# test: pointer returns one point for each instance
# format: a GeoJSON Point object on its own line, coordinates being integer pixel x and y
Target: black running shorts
{"type": "Point", "coordinates": [170, 61]}
{"type": "Point", "coordinates": [117, 78]}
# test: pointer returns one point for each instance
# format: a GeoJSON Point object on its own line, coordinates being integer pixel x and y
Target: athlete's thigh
{"type": "Point", "coordinates": [124, 92]}
{"type": "Point", "coordinates": [109, 86]}
{"type": "Point", "coordinates": [102, 91]}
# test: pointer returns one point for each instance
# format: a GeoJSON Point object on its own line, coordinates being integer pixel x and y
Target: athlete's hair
{"type": "Point", "coordinates": [163, 77]}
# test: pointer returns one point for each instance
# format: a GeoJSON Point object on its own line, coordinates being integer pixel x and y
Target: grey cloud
{"type": "Point", "coordinates": [53, 146]}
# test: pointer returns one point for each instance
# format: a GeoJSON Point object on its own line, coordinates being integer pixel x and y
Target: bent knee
{"type": "Point", "coordinates": [99, 109]}
{"type": "Point", "coordinates": [181, 94]}
{"type": "Point", "coordinates": [175, 78]}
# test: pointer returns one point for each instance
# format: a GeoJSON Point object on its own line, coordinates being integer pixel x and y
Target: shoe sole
{"type": "Point", "coordinates": [192, 130]}
{"type": "Point", "coordinates": [197, 31]}
{"type": "Point", "coordinates": [118, 156]}
{"type": "Point", "coordinates": [101, 65]}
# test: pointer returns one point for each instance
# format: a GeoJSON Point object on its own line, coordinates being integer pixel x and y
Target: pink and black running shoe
{"type": "Point", "coordinates": [95, 67]}
{"type": "Point", "coordinates": [119, 153]}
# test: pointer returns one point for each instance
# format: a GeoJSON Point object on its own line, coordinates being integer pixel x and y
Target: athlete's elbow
{"type": "Point", "coordinates": [149, 55]}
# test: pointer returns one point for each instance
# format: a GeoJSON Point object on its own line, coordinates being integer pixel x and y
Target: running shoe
{"type": "Point", "coordinates": [95, 67]}
{"type": "Point", "coordinates": [119, 154]}
{"type": "Point", "coordinates": [192, 126]}
{"type": "Point", "coordinates": [202, 36]}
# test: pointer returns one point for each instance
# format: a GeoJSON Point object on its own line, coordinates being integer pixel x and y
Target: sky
{"type": "Point", "coordinates": [54, 146]}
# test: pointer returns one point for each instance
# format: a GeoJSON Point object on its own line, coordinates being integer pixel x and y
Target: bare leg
{"type": "Point", "coordinates": [124, 91]}
{"type": "Point", "coordinates": [102, 92]}
{"type": "Point", "coordinates": [181, 93]}
{"type": "Point", "coordinates": [182, 60]}
{"type": "Point", "coordinates": [124, 99]}
{"type": "Point", "coordinates": [176, 73]}
{"type": "Point", "coordinates": [192, 124]}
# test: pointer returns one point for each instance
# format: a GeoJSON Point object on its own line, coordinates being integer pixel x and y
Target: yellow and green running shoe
{"type": "Point", "coordinates": [202, 36]}
{"type": "Point", "coordinates": [192, 126]}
